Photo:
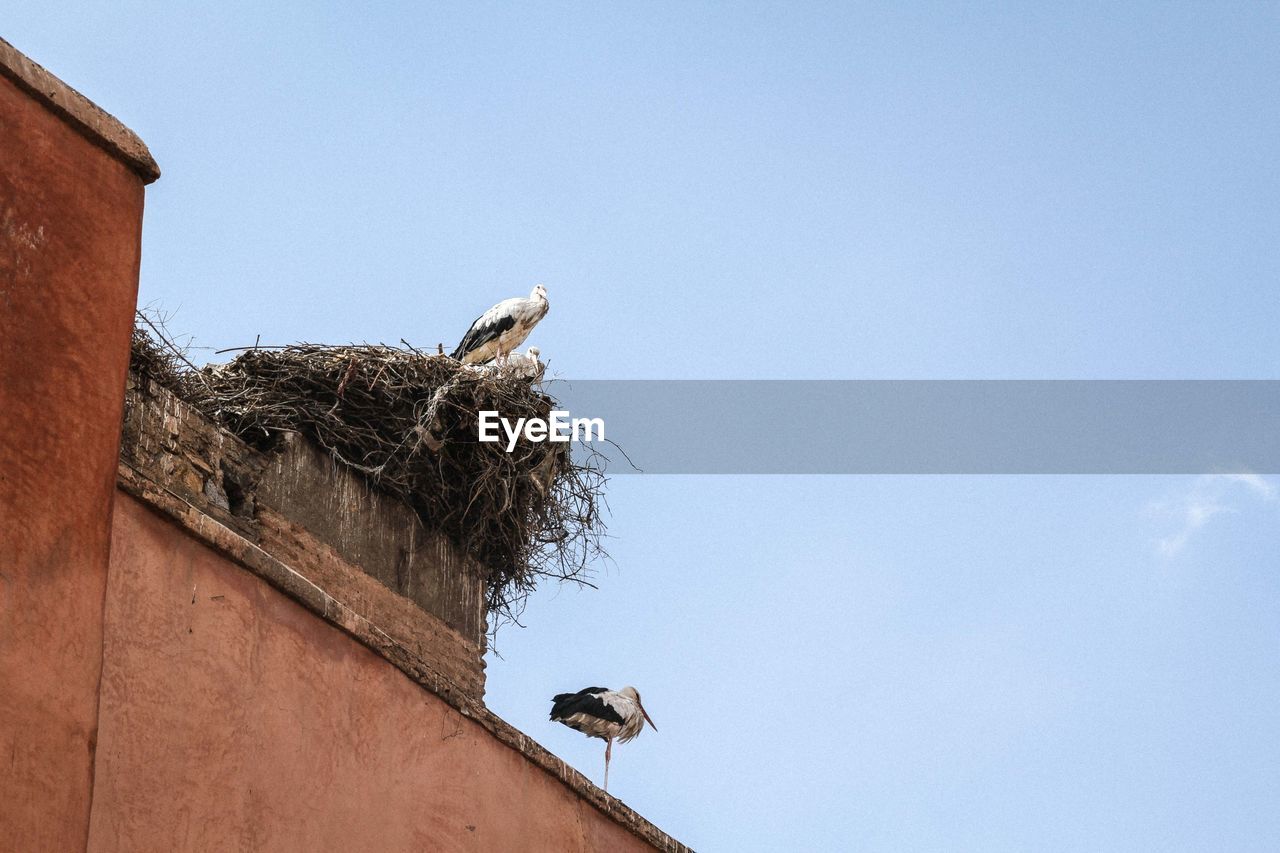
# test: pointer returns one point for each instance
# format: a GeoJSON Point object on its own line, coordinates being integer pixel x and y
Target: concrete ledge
{"type": "Point", "coordinates": [94, 123]}
{"type": "Point", "coordinates": [456, 661]}
{"type": "Point", "coordinates": [376, 532]}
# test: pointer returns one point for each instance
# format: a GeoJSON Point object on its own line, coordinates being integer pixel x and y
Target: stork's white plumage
{"type": "Point", "coordinates": [502, 328]}
{"type": "Point", "coordinates": [526, 365]}
{"type": "Point", "coordinates": [518, 365]}
{"type": "Point", "coordinates": [600, 712]}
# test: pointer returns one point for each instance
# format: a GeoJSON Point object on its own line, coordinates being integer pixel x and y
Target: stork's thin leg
{"type": "Point", "coordinates": [608, 750]}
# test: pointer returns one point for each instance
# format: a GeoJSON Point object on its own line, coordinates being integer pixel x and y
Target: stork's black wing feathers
{"type": "Point", "coordinates": [587, 701]}
{"type": "Point", "coordinates": [482, 331]}
{"type": "Point", "coordinates": [560, 697]}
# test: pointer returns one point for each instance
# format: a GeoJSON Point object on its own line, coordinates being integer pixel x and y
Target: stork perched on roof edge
{"type": "Point", "coordinates": [603, 713]}
{"type": "Point", "coordinates": [502, 328]}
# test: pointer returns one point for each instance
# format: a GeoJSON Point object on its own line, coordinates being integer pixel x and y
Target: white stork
{"type": "Point", "coordinates": [502, 328]}
{"type": "Point", "coordinates": [603, 713]}
{"type": "Point", "coordinates": [526, 365]}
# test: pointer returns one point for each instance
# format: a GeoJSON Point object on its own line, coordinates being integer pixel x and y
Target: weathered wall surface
{"type": "Point", "coordinates": [70, 229]}
{"type": "Point", "coordinates": [376, 532]}
{"type": "Point", "coordinates": [233, 719]}
{"type": "Point", "coordinates": [363, 549]}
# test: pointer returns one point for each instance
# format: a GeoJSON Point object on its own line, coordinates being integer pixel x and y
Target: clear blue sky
{"type": "Point", "coordinates": [839, 190]}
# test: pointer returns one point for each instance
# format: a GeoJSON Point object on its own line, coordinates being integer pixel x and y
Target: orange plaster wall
{"type": "Point", "coordinates": [233, 719]}
{"type": "Point", "coordinates": [70, 233]}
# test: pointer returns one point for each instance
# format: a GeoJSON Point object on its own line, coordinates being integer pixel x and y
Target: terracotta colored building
{"type": "Point", "coordinates": [202, 647]}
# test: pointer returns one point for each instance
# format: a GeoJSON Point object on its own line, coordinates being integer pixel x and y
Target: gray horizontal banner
{"type": "Point", "coordinates": [932, 427]}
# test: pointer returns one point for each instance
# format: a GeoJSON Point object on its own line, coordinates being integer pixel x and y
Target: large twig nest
{"type": "Point", "coordinates": [407, 421]}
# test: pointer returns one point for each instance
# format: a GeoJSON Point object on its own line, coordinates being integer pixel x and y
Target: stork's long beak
{"type": "Point", "coordinates": [646, 717]}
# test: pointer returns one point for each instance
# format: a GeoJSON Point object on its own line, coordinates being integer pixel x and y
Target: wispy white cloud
{"type": "Point", "coordinates": [1208, 497]}
{"type": "Point", "coordinates": [1257, 483]}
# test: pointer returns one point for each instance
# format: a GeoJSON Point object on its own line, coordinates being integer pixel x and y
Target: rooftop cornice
{"type": "Point", "coordinates": [90, 120]}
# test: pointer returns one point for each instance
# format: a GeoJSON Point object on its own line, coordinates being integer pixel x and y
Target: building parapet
{"type": "Point", "coordinates": [92, 122]}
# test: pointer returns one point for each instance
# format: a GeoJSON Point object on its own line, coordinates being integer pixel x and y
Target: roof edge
{"type": "Point", "coordinates": [92, 122]}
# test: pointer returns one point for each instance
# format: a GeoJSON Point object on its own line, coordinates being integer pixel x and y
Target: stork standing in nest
{"type": "Point", "coordinates": [603, 713]}
{"type": "Point", "coordinates": [526, 365]}
{"type": "Point", "coordinates": [502, 328]}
